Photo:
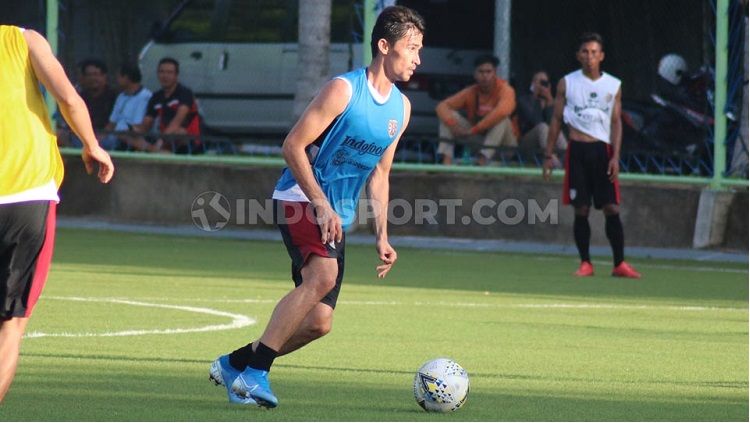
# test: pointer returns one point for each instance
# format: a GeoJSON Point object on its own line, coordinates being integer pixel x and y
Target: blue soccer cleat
{"type": "Point", "coordinates": [222, 373]}
{"type": "Point", "coordinates": [253, 384]}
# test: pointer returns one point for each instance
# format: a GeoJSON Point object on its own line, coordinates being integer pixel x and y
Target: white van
{"type": "Point", "coordinates": [240, 59]}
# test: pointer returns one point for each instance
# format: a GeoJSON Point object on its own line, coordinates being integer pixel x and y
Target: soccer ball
{"type": "Point", "coordinates": [441, 385]}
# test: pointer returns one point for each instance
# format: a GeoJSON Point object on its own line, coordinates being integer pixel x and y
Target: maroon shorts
{"type": "Point", "coordinates": [27, 236]}
{"type": "Point", "coordinates": [296, 221]}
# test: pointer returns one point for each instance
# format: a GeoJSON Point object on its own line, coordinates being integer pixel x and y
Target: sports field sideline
{"type": "Point", "coordinates": [129, 323]}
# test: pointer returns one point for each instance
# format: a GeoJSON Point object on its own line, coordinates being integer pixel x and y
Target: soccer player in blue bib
{"type": "Point", "coordinates": [346, 137]}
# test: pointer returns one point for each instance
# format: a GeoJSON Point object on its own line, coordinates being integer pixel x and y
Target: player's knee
{"type": "Point", "coordinates": [320, 328]}
{"type": "Point", "coordinates": [320, 279]}
{"type": "Point", "coordinates": [582, 211]}
{"type": "Point", "coordinates": [611, 209]}
{"type": "Point", "coordinates": [327, 283]}
{"type": "Point", "coordinates": [322, 284]}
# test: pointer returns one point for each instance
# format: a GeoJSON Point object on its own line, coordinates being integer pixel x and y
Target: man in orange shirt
{"type": "Point", "coordinates": [487, 106]}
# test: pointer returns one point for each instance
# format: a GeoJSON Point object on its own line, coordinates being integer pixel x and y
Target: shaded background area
{"type": "Point", "coordinates": [112, 30]}
{"type": "Point", "coordinates": [544, 33]}
{"type": "Point", "coordinates": [637, 33]}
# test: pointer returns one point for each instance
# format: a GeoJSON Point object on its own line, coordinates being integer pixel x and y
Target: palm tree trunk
{"type": "Point", "coordinates": [313, 62]}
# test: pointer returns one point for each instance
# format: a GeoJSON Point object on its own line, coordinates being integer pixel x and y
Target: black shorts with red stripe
{"type": "Point", "coordinates": [27, 237]}
{"type": "Point", "coordinates": [586, 165]}
{"type": "Point", "coordinates": [301, 234]}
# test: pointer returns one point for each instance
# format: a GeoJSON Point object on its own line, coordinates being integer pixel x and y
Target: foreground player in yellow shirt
{"type": "Point", "coordinates": [31, 171]}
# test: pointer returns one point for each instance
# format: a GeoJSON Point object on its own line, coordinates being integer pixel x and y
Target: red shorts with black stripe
{"type": "Point", "coordinates": [586, 178]}
{"type": "Point", "coordinates": [27, 237]}
{"type": "Point", "coordinates": [301, 234]}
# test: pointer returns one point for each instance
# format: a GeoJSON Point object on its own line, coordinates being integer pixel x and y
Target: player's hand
{"type": "Point", "coordinates": [547, 168]}
{"type": "Point", "coordinates": [387, 255]}
{"type": "Point", "coordinates": [97, 155]}
{"type": "Point", "coordinates": [329, 222]}
{"type": "Point", "coordinates": [613, 169]}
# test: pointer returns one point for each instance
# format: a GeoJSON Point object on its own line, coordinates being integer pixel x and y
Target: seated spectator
{"type": "Point", "coordinates": [175, 107]}
{"type": "Point", "coordinates": [98, 96]}
{"type": "Point", "coordinates": [534, 111]}
{"type": "Point", "coordinates": [130, 107]}
{"type": "Point", "coordinates": [478, 113]}
{"type": "Point", "coordinates": [96, 93]}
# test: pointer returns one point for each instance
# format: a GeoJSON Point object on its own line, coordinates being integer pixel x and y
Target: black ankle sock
{"type": "Point", "coordinates": [262, 358]}
{"type": "Point", "coordinates": [241, 356]}
{"type": "Point", "coordinates": [582, 235]}
{"type": "Point", "coordinates": [615, 234]}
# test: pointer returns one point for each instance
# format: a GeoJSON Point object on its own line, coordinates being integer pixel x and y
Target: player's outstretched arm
{"type": "Point", "coordinates": [378, 188]}
{"type": "Point", "coordinates": [325, 107]}
{"type": "Point", "coordinates": [51, 74]}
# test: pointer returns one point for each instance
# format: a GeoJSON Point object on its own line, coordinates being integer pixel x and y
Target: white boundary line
{"type": "Point", "coordinates": [682, 268]}
{"type": "Point", "coordinates": [640, 263]}
{"type": "Point", "coordinates": [238, 320]}
{"type": "Point", "coordinates": [582, 306]}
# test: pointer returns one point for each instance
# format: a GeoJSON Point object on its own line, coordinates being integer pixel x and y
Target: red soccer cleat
{"type": "Point", "coordinates": [624, 270]}
{"type": "Point", "coordinates": [585, 269]}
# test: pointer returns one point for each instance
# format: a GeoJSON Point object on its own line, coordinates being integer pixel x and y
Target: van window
{"type": "Point", "coordinates": [255, 21]}
{"type": "Point", "coordinates": [444, 16]}
{"type": "Point", "coordinates": [262, 21]}
{"type": "Point", "coordinates": [345, 27]}
{"type": "Point", "coordinates": [274, 21]}
{"type": "Point", "coordinates": [193, 24]}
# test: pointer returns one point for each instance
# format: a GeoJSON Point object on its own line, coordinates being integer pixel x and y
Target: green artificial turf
{"type": "Point", "coordinates": [538, 343]}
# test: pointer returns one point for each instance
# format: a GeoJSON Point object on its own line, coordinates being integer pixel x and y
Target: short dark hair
{"type": "Point", "coordinates": [486, 58]}
{"type": "Point", "coordinates": [588, 37]}
{"type": "Point", "coordinates": [169, 60]}
{"type": "Point", "coordinates": [95, 63]}
{"type": "Point", "coordinates": [537, 72]}
{"type": "Point", "coordinates": [131, 71]}
{"type": "Point", "coordinates": [393, 23]}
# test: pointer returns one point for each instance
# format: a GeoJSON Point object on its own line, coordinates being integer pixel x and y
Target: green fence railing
{"type": "Point", "coordinates": [405, 167]}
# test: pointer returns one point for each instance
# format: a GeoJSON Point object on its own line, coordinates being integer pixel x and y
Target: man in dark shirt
{"type": "Point", "coordinates": [99, 98]}
{"type": "Point", "coordinates": [534, 110]}
{"type": "Point", "coordinates": [96, 93]}
{"type": "Point", "coordinates": [177, 110]}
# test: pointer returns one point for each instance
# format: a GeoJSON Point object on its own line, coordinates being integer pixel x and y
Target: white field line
{"type": "Point", "coordinates": [238, 320]}
{"type": "Point", "coordinates": [551, 306]}
{"type": "Point", "coordinates": [674, 267]}
{"type": "Point", "coordinates": [582, 306]}
{"type": "Point", "coordinates": [644, 265]}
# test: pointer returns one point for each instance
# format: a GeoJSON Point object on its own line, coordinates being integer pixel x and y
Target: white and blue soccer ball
{"type": "Point", "coordinates": [441, 385]}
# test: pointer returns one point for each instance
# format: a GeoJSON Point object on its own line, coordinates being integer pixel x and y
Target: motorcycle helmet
{"type": "Point", "coordinates": [672, 67]}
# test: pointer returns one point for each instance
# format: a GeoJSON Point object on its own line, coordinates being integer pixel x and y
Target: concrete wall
{"type": "Point", "coordinates": [647, 219]}
{"type": "Point", "coordinates": [147, 191]}
{"type": "Point", "coordinates": [736, 237]}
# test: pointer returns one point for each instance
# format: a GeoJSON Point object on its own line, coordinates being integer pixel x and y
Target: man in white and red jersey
{"type": "Point", "coordinates": [589, 100]}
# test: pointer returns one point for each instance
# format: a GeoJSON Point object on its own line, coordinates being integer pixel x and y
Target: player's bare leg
{"type": "Point", "coordinates": [316, 324]}
{"type": "Point", "coordinates": [11, 331]}
{"type": "Point", "coordinates": [318, 278]}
